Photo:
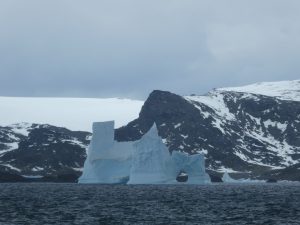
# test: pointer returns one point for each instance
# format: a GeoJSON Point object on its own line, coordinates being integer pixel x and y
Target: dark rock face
{"type": "Point", "coordinates": [215, 178]}
{"type": "Point", "coordinates": [291, 173]}
{"type": "Point", "coordinates": [271, 181]}
{"type": "Point", "coordinates": [10, 177]}
{"type": "Point", "coordinates": [238, 131]}
{"type": "Point", "coordinates": [44, 150]}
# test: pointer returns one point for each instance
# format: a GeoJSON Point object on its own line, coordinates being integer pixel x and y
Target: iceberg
{"type": "Point", "coordinates": [146, 161]}
{"type": "Point", "coordinates": [227, 179]}
{"type": "Point", "coordinates": [151, 161]}
{"type": "Point", "coordinates": [108, 161]}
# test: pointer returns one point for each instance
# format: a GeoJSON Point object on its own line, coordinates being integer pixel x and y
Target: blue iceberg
{"type": "Point", "coordinates": [146, 161]}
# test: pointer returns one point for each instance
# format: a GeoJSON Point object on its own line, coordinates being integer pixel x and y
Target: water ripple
{"type": "Point", "coordinates": [41, 203]}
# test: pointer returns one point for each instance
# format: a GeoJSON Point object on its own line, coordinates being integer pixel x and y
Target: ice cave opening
{"type": "Point", "coordinates": [182, 177]}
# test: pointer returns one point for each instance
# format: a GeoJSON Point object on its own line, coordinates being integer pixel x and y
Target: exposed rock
{"type": "Point", "coordinates": [43, 150]}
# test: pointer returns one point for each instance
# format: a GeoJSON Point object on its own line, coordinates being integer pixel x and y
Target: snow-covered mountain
{"type": "Point", "coordinates": [33, 150]}
{"type": "Point", "coordinates": [72, 113]}
{"type": "Point", "coordinates": [247, 132]}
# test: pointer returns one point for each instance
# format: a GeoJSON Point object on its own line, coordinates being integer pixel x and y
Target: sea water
{"type": "Point", "coordinates": [52, 203]}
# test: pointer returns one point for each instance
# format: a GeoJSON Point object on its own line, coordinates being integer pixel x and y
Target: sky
{"type": "Point", "coordinates": [117, 48]}
{"type": "Point", "coordinates": [72, 113]}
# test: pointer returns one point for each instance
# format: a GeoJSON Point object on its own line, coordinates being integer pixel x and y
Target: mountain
{"type": "Point", "coordinates": [40, 150]}
{"type": "Point", "coordinates": [72, 113]}
{"type": "Point", "coordinates": [251, 131]}
{"type": "Point", "coordinates": [239, 130]}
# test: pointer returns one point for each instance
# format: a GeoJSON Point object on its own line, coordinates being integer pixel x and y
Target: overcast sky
{"type": "Point", "coordinates": [128, 48]}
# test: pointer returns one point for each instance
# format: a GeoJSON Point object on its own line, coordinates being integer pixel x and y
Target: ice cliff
{"type": "Point", "coordinates": [108, 161]}
{"type": "Point", "coordinates": [151, 161]}
{"type": "Point", "coordinates": [146, 161]}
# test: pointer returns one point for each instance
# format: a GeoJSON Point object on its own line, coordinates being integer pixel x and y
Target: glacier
{"type": "Point", "coordinates": [57, 111]}
{"type": "Point", "coordinates": [145, 161]}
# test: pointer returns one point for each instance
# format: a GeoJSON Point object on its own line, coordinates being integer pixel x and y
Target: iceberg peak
{"type": "Point", "coordinates": [153, 132]}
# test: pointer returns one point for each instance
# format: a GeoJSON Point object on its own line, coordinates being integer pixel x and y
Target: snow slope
{"type": "Point", "coordinates": [257, 109]}
{"type": "Point", "coordinates": [284, 90]}
{"type": "Point", "coordinates": [72, 113]}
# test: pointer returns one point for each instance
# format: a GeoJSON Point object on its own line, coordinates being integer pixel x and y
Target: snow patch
{"type": "Point", "coordinates": [282, 149]}
{"type": "Point", "coordinates": [75, 141]}
{"type": "Point", "coordinates": [217, 123]}
{"type": "Point", "coordinates": [184, 136]}
{"type": "Point", "coordinates": [177, 125]}
{"type": "Point", "coordinates": [164, 140]}
{"type": "Point", "coordinates": [11, 167]}
{"type": "Point", "coordinates": [203, 151]}
{"type": "Point", "coordinates": [215, 101]}
{"type": "Point", "coordinates": [223, 169]}
{"type": "Point", "coordinates": [37, 168]}
{"type": "Point", "coordinates": [284, 90]}
{"type": "Point", "coordinates": [21, 128]}
{"type": "Point", "coordinates": [10, 147]}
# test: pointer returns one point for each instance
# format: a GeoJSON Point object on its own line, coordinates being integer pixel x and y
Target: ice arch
{"type": "Point", "coordinates": [193, 165]}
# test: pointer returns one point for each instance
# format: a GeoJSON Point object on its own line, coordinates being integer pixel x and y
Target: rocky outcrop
{"type": "Point", "coordinates": [42, 150]}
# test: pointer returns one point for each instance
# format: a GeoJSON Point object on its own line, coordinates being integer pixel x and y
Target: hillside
{"type": "Point", "coordinates": [41, 150]}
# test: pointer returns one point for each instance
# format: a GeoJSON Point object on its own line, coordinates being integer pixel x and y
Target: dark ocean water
{"type": "Point", "coordinates": [42, 203]}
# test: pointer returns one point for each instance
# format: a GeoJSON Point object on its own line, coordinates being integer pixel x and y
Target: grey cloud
{"type": "Point", "coordinates": [128, 48]}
